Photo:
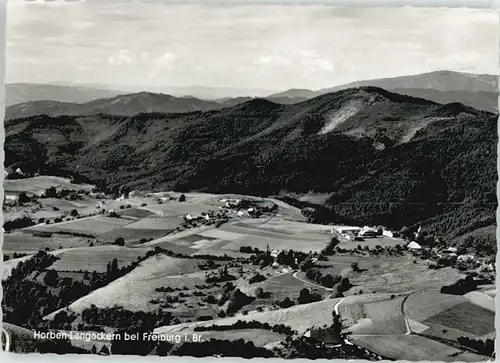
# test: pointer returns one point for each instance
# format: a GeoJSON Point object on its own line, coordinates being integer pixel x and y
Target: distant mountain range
{"type": "Point", "coordinates": [478, 91]}
{"type": "Point", "coordinates": [382, 157]}
{"type": "Point", "coordinates": [129, 105]}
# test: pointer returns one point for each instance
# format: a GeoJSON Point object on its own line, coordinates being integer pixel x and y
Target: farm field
{"type": "Point", "coordinates": [168, 223]}
{"type": "Point", "coordinates": [135, 213]}
{"type": "Point", "coordinates": [179, 209]}
{"type": "Point", "coordinates": [131, 235]}
{"type": "Point", "coordinates": [482, 298]}
{"type": "Point", "coordinates": [382, 317]}
{"type": "Point", "coordinates": [388, 273]}
{"type": "Point", "coordinates": [135, 290]}
{"type": "Point", "coordinates": [260, 238]}
{"type": "Point", "coordinates": [299, 317]}
{"type": "Point", "coordinates": [415, 348]}
{"type": "Point", "coordinates": [96, 258]}
{"type": "Point", "coordinates": [26, 243]}
{"type": "Point", "coordinates": [372, 242]}
{"type": "Point", "coordinates": [92, 225]}
{"type": "Point", "coordinates": [260, 337]}
{"type": "Point", "coordinates": [466, 317]}
{"type": "Point", "coordinates": [38, 184]}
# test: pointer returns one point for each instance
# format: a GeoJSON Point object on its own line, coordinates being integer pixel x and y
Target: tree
{"type": "Point", "coordinates": [50, 278]}
{"type": "Point", "coordinates": [23, 198]}
{"type": "Point", "coordinates": [355, 266]}
{"type": "Point", "coordinates": [74, 213]}
{"type": "Point", "coordinates": [182, 198]}
{"type": "Point", "coordinates": [119, 241]}
{"type": "Point", "coordinates": [406, 233]}
{"type": "Point", "coordinates": [114, 266]}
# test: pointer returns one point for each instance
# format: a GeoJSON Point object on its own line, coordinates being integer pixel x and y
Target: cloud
{"type": "Point", "coordinates": [272, 61]}
{"type": "Point", "coordinates": [166, 60]}
{"type": "Point", "coordinates": [255, 46]}
{"type": "Point", "coordinates": [124, 57]}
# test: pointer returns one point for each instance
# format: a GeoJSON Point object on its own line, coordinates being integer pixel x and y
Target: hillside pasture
{"type": "Point", "coordinates": [167, 223]}
{"type": "Point", "coordinates": [372, 242]}
{"type": "Point", "coordinates": [259, 337]}
{"type": "Point", "coordinates": [135, 290]}
{"type": "Point", "coordinates": [138, 213]}
{"type": "Point", "coordinates": [299, 317]}
{"type": "Point", "coordinates": [179, 209]}
{"type": "Point", "coordinates": [131, 235]}
{"type": "Point", "coordinates": [38, 184]}
{"type": "Point", "coordinates": [466, 317]}
{"type": "Point", "coordinates": [415, 348]}
{"type": "Point", "coordinates": [423, 305]}
{"type": "Point", "coordinates": [382, 317]}
{"type": "Point", "coordinates": [96, 258]}
{"type": "Point", "coordinates": [91, 225]}
{"type": "Point", "coordinates": [26, 243]}
{"type": "Point", "coordinates": [483, 299]}
{"type": "Point", "coordinates": [389, 273]}
{"type": "Point", "coordinates": [237, 237]}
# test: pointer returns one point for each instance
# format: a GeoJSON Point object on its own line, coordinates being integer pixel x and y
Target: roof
{"type": "Point", "coordinates": [414, 246]}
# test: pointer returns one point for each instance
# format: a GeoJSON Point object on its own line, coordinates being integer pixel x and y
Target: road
{"type": "Point", "coordinates": [336, 307]}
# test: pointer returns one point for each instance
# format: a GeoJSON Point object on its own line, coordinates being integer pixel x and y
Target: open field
{"type": "Point", "coordinates": [423, 305]}
{"type": "Point", "coordinates": [299, 317]}
{"type": "Point", "coordinates": [38, 184]}
{"type": "Point", "coordinates": [135, 213]}
{"type": "Point", "coordinates": [383, 317]}
{"type": "Point", "coordinates": [131, 235]}
{"type": "Point", "coordinates": [92, 225]}
{"type": "Point", "coordinates": [50, 208]}
{"type": "Point", "coordinates": [389, 273]}
{"type": "Point", "coordinates": [373, 242]}
{"type": "Point", "coordinates": [96, 258]}
{"type": "Point", "coordinates": [415, 348]}
{"type": "Point", "coordinates": [260, 337]}
{"type": "Point", "coordinates": [466, 317]}
{"type": "Point", "coordinates": [135, 290]}
{"type": "Point", "coordinates": [179, 209]}
{"type": "Point", "coordinates": [482, 299]}
{"type": "Point", "coordinates": [26, 243]}
{"type": "Point", "coordinates": [260, 237]}
{"type": "Point", "coordinates": [167, 223]}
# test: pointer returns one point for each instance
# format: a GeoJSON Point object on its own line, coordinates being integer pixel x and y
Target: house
{"type": "Point", "coordinates": [11, 197]}
{"type": "Point", "coordinates": [414, 246]}
{"type": "Point", "coordinates": [387, 233]}
{"type": "Point", "coordinates": [345, 229]}
{"type": "Point", "coordinates": [274, 253]}
{"type": "Point", "coordinates": [368, 232]}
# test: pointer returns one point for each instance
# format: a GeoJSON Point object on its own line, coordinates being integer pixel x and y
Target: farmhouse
{"type": "Point", "coordinates": [387, 233]}
{"type": "Point", "coordinates": [414, 246]}
{"type": "Point", "coordinates": [368, 232]}
{"type": "Point", "coordinates": [346, 229]}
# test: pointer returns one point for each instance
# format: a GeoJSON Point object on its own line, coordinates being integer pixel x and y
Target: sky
{"type": "Point", "coordinates": [155, 43]}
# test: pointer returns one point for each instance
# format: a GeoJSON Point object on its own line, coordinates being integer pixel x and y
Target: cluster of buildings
{"type": "Point", "coordinates": [360, 233]}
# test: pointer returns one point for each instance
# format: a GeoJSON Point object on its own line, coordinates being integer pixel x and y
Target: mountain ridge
{"type": "Point", "coordinates": [382, 157]}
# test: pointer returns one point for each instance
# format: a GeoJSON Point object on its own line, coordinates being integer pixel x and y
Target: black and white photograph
{"type": "Point", "coordinates": [221, 179]}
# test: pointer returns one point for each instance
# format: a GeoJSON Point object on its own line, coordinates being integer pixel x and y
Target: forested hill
{"type": "Point", "coordinates": [383, 157]}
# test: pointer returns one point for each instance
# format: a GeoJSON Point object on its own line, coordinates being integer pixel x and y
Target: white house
{"type": "Point", "coordinates": [387, 233]}
{"type": "Point", "coordinates": [414, 246]}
